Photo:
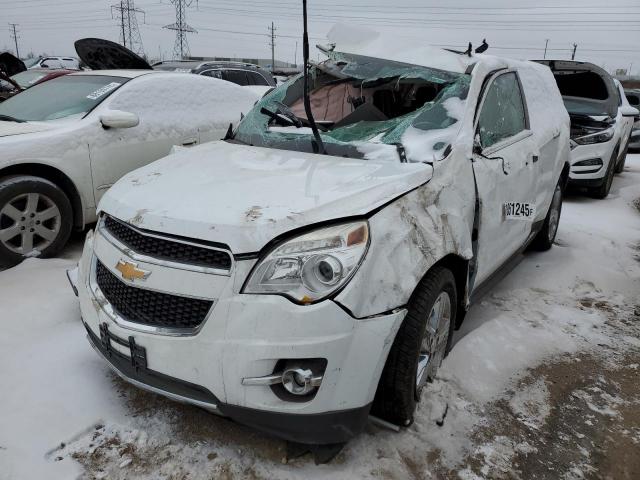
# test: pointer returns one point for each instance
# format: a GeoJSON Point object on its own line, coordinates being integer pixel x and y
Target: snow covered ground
{"type": "Point", "coordinates": [543, 377]}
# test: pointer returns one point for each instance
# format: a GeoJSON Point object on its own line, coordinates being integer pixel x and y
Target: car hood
{"type": "Point", "coordinates": [245, 196]}
{"type": "Point", "coordinates": [8, 129]}
{"type": "Point", "coordinates": [100, 54]}
{"type": "Point", "coordinates": [10, 64]}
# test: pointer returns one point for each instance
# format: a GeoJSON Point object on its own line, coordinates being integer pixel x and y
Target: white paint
{"type": "Point", "coordinates": [47, 350]}
{"type": "Point", "coordinates": [173, 109]}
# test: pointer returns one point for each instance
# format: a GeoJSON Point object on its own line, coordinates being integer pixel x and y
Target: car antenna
{"type": "Point", "coordinates": [318, 145]}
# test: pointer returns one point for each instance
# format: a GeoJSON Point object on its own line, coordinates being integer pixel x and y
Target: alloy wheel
{"type": "Point", "coordinates": [28, 222]}
{"type": "Point", "coordinates": [434, 341]}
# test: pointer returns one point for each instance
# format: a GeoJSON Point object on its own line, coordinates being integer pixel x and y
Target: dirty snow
{"type": "Point", "coordinates": [64, 413]}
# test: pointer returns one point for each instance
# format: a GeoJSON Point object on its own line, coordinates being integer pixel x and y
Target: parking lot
{"type": "Point", "coordinates": [541, 381]}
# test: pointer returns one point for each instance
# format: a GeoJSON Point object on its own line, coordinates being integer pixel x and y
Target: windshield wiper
{"type": "Point", "coordinates": [8, 118]}
{"type": "Point", "coordinates": [283, 115]}
{"type": "Point", "coordinates": [318, 145]}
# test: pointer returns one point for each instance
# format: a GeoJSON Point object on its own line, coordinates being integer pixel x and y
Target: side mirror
{"type": "Point", "coordinates": [119, 119]}
{"type": "Point", "coordinates": [629, 111]}
{"type": "Point", "coordinates": [477, 145]}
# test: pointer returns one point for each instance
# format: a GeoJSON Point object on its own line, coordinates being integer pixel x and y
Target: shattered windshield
{"type": "Point", "coordinates": [364, 108]}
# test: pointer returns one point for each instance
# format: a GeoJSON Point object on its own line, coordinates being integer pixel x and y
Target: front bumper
{"type": "Point", "coordinates": [245, 336]}
{"type": "Point", "coordinates": [590, 176]}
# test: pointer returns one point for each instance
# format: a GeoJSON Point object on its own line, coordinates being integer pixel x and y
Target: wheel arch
{"type": "Point", "coordinates": [55, 176]}
{"type": "Point", "coordinates": [459, 267]}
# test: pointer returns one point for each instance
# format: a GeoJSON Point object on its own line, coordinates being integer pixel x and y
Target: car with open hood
{"type": "Point", "coordinates": [309, 270]}
{"type": "Point", "coordinates": [64, 142]}
{"type": "Point", "coordinates": [601, 123]}
{"type": "Point", "coordinates": [9, 65]}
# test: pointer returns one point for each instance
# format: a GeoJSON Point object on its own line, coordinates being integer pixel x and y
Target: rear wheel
{"type": "Point", "coordinates": [35, 218]}
{"type": "Point", "coordinates": [422, 342]}
{"type": "Point", "coordinates": [545, 237]}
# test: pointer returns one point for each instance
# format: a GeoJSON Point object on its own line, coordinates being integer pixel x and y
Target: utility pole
{"type": "Point", "coordinates": [181, 46]}
{"type": "Point", "coordinates": [573, 55]}
{"type": "Point", "coordinates": [295, 55]}
{"type": "Point", "coordinates": [546, 44]}
{"type": "Point", "coordinates": [272, 43]}
{"type": "Point", "coordinates": [129, 32]}
{"type": "Point", "coordinates": [14, 35]}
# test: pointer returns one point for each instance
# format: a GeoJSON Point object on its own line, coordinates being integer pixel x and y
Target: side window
{"type": "Point", "coordinates": [256, 79]}
{"type": "Point", "coordinates": [633, 100]}
{"type": "Point", "coordinates": [503, 113]}
{"type": "Point", "coordinates": [235, 76]}
{"type": "Point", "coordinates": [212, 73]}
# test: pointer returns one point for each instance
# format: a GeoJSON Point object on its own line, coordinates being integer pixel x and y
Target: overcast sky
{"type": "Point", "coordinates": [607, 35]}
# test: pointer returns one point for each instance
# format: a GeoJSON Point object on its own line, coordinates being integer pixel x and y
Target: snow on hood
{"type": "Point", "coordinates": [245, 196]}
{"type": "Point", "coordinates": [364, 41]}
{"type": "Point", "coordinates": [18, 128]}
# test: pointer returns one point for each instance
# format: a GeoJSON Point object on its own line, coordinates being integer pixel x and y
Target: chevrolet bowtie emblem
{"type": "Point", "coordinates": [131, 272]}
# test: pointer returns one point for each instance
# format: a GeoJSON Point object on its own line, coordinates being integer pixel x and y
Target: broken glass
{"type": "Point", "coordinates": [360, 102]}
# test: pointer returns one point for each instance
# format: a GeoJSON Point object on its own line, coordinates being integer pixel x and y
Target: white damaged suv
{"type": "Point", "coordinates": [300, 292]}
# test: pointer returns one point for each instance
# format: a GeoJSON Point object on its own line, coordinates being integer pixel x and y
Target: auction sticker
{"type": "Point", "coordinates": [103, 90]}
{"type": "Point", "coordinates": [518, 210]}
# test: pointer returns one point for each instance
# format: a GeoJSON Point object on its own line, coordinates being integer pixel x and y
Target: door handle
{"type": "Point", "coordinates": [187, 142]}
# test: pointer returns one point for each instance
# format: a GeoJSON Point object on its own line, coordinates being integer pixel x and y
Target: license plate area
{"type": "Point", "coordinates": [134, 352]}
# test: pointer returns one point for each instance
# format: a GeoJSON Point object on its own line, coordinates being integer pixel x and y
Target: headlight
{"type": "Point", "coordinates": [598, 137]}
{"type": "Point", "coordinates": [312, 266]}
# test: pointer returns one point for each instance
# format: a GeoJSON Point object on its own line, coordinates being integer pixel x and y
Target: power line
{"type": "Point", "coordinates": [129, 31]}
{"type": "Point", "coordinates": [14, 35]}
{"type": "Point", "coordinates": [272, 44]}
{"type": "Point", "coordinates": [181, 46]}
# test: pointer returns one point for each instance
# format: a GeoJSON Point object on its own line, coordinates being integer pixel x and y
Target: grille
{"type": "Point", "coordinates": [166, 249]}
{"type": "Point", "coordinates": [150, 308]}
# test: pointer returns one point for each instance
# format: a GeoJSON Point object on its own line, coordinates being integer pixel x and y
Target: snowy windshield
{"type": "Point", "coordinates": [365, 108]}
{"type": "Point", "coordinates": [61, 97]}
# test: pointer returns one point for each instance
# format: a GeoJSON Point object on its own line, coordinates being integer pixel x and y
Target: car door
{"type": "Point", "coordinates": [164, 121]}
{"type": "Point", "coordinates": [504, 172]}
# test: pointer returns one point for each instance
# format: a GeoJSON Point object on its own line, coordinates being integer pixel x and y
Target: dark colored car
{"type": "Point", "coordinates": [235, 72]}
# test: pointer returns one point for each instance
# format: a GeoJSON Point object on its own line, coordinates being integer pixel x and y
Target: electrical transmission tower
{"type": "Point", "coordinates": [15, 37]}
{"type": "Point", "coordinates": [272, 44]}
{"type": "Point", "coordinates": [129, 31]}
{"type": "Point", "coordinates": [181, 47]}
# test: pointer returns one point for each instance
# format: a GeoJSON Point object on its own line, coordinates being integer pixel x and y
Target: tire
{"type": "Point", "coordinates": [35, 208]}
{"type": "Point", "coordinates": [603, 190]}
{"type": "Point", "coordinates": [547, 234]}
{"type": "Point", "coordinates": [398, 392]}
{"type": "Point", "coordinates": [623, 158]}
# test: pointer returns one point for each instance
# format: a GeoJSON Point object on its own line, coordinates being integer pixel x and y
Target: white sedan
{"type": "Point", "coordinates": [65, 142]}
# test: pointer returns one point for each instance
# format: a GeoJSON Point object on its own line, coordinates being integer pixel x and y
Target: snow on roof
{"type": "Point", "coordinates": [118, 73]}
{"type": "Point", "coordinates": [371, 43]}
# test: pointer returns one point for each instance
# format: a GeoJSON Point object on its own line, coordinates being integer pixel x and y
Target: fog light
{"type": "Point", "coordinates": [591, 162]}
{"type": "Point", "coordinates": [300, 381]}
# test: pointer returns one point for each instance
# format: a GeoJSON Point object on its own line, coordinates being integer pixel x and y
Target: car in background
{"type": "Point", "coordinates": [235, 72]}
{"type": "Point", "coordinates": [54, 62]}
{"type": "Point", "coordinates": [633, 97]}
{"type": "Point", "coordinates": [297, 279]}
{"type": "Point", "coordinates": [35, 76]}
{"type": "Point", "coordinates": [64, 142]}
{"type": "Point", "coordinates": [600, 123]}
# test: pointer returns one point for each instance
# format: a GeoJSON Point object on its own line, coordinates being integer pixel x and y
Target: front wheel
{"type": "Point", "coordinates": [422, 342]}
{"type": "Point", "coordinates": [603, 190]}
{"type": "Point", "coordinates": [35, 218]}
{"type": "Point", "coordinates": [545, 237]}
